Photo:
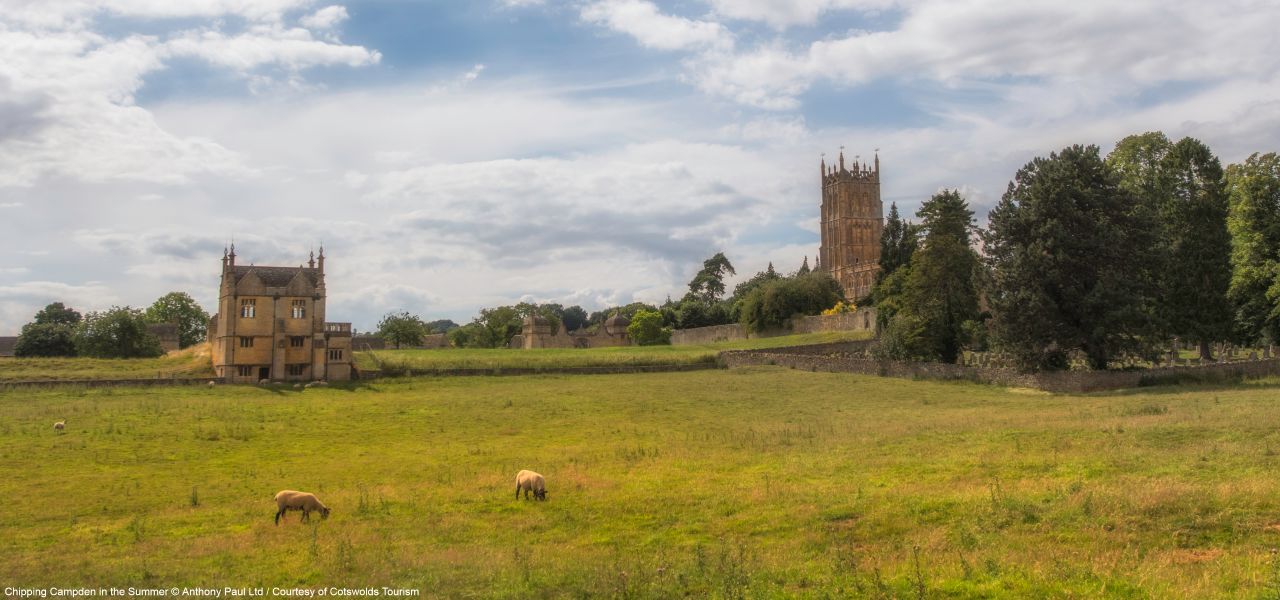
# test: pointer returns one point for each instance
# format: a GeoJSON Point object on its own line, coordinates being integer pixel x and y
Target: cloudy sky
{"type": "Point", "coordinates": [455, 155]}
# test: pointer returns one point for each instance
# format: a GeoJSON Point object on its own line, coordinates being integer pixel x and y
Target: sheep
{"type": "Point", "coordinates": [211, 384]}
{"type": "Point", "coordinates": [60, 426]}
{"type": "Point", "coordinates": [529, 481]}
{"type": "Point", "coordinates": [264, 382]}
{"type": "Point", "coordinates": [287, 500]}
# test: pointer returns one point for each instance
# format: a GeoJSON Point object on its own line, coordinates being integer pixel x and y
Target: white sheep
{"type": "Point", "coordinates": [287, 500]}
{"type": "Point", "coordinates": [264, 382]}
{"type": "Point", "coordinates": [211, 384]}
{"type": "Point", "coordinates": [528, 481]}
{"type": "Point", "coordinates": [60, 426]}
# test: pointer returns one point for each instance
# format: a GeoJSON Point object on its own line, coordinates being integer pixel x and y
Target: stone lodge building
{"type": "Point", "coordinates": [270, 325]}
{"type": "Point", "coordinates": [852, 221]}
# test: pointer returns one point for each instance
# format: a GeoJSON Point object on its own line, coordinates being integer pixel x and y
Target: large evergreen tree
{"type": "Point", "coordinates": [1182, 185]}
{"type": "Point", "coordinates": [1070, 256]}
{"type": "Point", "coordinates": [1196, 277]}
{"type": "Point", "coordinates": [939, 296]}
{"type": "Point", "coordinates": [1254, 222]}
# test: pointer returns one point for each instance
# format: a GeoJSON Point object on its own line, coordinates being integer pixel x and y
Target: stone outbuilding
{"type": "Point", "coordinates": [539, 332]}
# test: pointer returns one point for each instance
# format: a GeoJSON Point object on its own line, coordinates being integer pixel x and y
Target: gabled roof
{"type": "Point", "coordinates": [7, 344]}
{"type": "Point", "coordinates": [276, 276]}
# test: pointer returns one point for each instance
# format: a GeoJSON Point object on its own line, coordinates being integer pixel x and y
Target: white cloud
{"type": "Point", "coordinates": [643, 21]}
{"type": "Point", "coordinates": [325, 19]}
{"type": "Point", "coordinates": [781, 14]}
{"type": "Point", "coordinates": [10, 204]}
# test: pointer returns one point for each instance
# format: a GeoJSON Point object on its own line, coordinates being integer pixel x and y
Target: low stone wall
{"type": "Point", "coordinates": [863, 319]}
{"type": "Point", "coordinates": [55, 383]}
{"type": "Point", "coordinates": [364, 343]}
{"type": "Point", "coordinates": [1065, 382]}
{"type": "Point", "coordinates": [501, 371]}
{"type": "Point", "coordinates": [708, 335]}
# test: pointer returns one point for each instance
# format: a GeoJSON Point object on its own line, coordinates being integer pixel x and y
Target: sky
{"type": "Point", "coordinates": [451, 156]}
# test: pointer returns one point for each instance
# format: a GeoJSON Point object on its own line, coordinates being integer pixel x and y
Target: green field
{"type": "Point", "coordinates": [544, 358]}
{"type": "Point", "coordinates": [759, 482]}
{"type": "Point", "coordinates": [192, 362]}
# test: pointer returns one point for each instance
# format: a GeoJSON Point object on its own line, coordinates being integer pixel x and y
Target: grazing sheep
{"type": "Point", "coordinates": [60, 425]}
{"type": "Point", "coordinates": [297, 386]}
{"type": "Point", "coordinates": [529, 481]}
{"type": "Point", "coordinates": [264, 382]}
{"type": "Point", "coordinates": [211, 384]}
{"type": "Point", "coordinates": [287, 500]}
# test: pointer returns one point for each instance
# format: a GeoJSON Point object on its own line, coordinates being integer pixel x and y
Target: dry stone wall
{"type": "Point", "coordinates": [863, 319]}
{"type": "Point", "coordinates": [1057, 382]}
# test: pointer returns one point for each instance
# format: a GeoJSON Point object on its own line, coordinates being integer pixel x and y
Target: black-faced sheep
{"type": "Point", "coordinates": [528, 481]}
{"type": "Point", "coordinates": [60, 426]}
{"type": "Point", "coordinates": [287, 500]}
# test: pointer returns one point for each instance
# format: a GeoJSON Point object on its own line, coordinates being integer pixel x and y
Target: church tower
{"type": "Point", "coordinates": [852, 221]}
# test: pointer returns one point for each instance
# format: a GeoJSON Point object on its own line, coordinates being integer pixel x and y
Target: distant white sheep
{"type": "Point", "coordinates": [287, 500]}
{"type": "Point", "coordinates": [211, 384]}
{"type": "Point", "coordinates": [528, 481]}
{"type": "Point", "coordinates": [60, 426]}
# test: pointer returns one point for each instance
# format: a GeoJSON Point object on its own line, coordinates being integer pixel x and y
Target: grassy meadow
{"type": "Point", "coordinates": [504, 358]}
{"type": "Point", "coordinates": [759, 482]}
{"type": "Point", "coordinates": [191, 362]}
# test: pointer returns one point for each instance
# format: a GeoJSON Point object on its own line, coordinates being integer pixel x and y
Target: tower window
{"type": "Point", "coordinates": [335, 354]}
{"type": "Point", "coordinates": [297, 341]}
{"type": "Point", "coordinates": [248, 308]}
{"type": "Point", "coordinates": [295, 370]}
{"type": "Point", "coordinates": [244, 371]}
{"type": "Point", "coordinates": [299, 309]}
{"type": "Point", "coordinates": [246, 342]}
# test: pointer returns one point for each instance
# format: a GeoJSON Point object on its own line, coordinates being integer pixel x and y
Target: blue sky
{"type": "Point", "coordinates": [456, 155]}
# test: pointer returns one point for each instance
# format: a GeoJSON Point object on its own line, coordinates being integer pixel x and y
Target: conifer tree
{"type": "Point", "coordinates": [1070, 256]}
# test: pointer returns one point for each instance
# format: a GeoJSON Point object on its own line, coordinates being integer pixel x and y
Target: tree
{"type": "Point", "coordinates": [1254, 222]}
{"type": "Point", "coordinates": [574, 318]}
{"type": "Point", "coordinates": [51, 333]}
{"type": "Point", "coordinates": [57, 314]}
{"type": "Point", "coordinates": [708, 284]}
{"type": "Point", "coordinates": [44, 340]}
{"type": "Point", "coordinates": [441, 326]}
{"type": "Point", "coordinates": [770, 305]}
{"type": "Point", "coordinates": [804, 267]}
{"type": "Point", "coordinates": [402, 329]}
{"type": "Point", "coordinates": [742, 289]}
{"type": "Point", "coordinates": [120, 332]}
{"type": "Point", "coordinates": [1198, 273]}
{"type": "Point", "coordinates": [939, 298]}
{"type": "Point", "coordinates": [1070, 256]}
{"type": "Point", "coordinates": [180, 308]}
{"type": "Point", "coordinates": [646, 329]}
{"type": "Point", "coordinates": [1182, 185]}
{"type": "Point", "coordinates": [898, 242]}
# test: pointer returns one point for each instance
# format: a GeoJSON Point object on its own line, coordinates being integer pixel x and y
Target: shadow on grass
{"type": "Point", "coordinates": [1183, 385]}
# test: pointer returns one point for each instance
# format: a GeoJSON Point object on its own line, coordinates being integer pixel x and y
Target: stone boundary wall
{"type": "Point", "coordinates": [1057, 382]}
{"type": "Point", "coordinates": [94, 383]}
{"type": "Point", "coordinates": [863, 319]}
{"type": "Point", "coordinates": [505, 371]}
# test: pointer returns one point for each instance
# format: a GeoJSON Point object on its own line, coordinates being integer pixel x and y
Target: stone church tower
{"type": "Point", "coordinates": [852, 221]}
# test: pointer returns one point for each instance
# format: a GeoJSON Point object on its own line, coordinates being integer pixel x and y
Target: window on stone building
{"type": "Point", "coordinates": [248, 308]}
{"type": "Point", "coordinates": [335, 354]}
{"type": "Point", "coordinates": [246, 342]}
{"type": "Point", "coordinates": [297, 341]}
{"type": "Point", "coordinates": [244, 370]}
{"type": "Point", "coordinates": [295, 370]}
{"type": "Point", "coordinates": [299, 309]}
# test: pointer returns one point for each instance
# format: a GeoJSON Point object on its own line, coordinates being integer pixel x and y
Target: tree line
{"type": "Point", "coordinates": [118, 332]}
{"type": "Point", "coordinates": [1104, 258]}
